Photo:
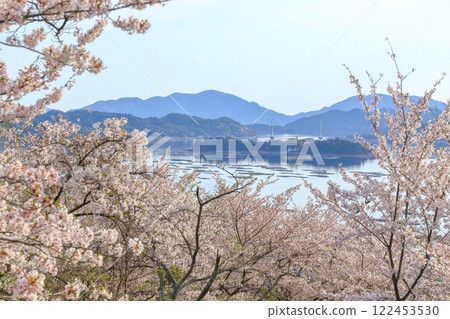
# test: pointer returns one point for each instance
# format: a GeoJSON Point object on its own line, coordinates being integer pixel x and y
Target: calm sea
{"type": "Point", "coordinates": [285, 176]}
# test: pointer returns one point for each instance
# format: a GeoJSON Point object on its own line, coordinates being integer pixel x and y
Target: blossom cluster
{"type": "Point", "coordinates": [56, 46]}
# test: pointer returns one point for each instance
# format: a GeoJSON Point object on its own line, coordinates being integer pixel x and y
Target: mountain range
{"type": "Point", "coordinates": [213, 104]}
{"type": "Point", "coordinates": [220, 114]}
{"type": "Point", "coordinates": [174, 125]}
{"type": "Point", "coordinates": [334, 123]}
{"type": "Point", "coordinates": [207, 104]}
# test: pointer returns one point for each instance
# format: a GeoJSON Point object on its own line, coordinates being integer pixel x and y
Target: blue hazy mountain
{"type": "Point", "coordinates": [334, 123]}
{"type": "Point", "coordinates": [207, 104]}
{"type": "Point", "coordinates": [214, 104]}
{"type": "Point", "coordinates": [352, 103]}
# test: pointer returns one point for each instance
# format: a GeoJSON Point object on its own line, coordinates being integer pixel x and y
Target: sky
{"type": "Point", "coordinates": [286, 55]}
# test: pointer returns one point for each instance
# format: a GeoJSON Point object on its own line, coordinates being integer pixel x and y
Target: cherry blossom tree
{"type": "Point", "coordinates": [48, 206]}
{"type": "Point", "coordinates": [228, 244]}
{"type": "Point", "coordinates": [40, 181]}
{"type": "Point", "coordinates": [56, 33]}
{"type": "Point", "coordinates": [396, 227]}
{"type": "Point", "coordinates": [127, 232]}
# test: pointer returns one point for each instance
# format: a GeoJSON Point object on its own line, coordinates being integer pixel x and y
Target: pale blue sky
{"type": "Point", "coordinates": [256, 49]}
